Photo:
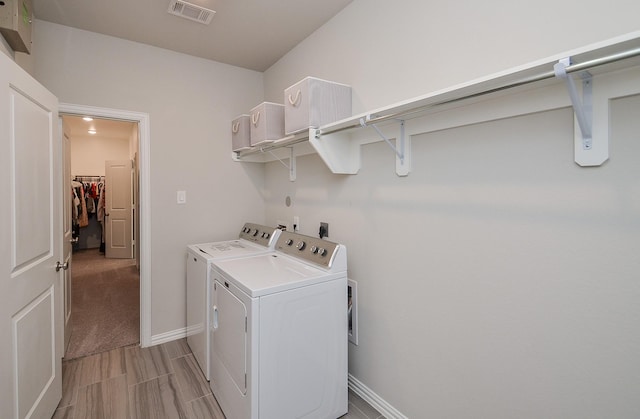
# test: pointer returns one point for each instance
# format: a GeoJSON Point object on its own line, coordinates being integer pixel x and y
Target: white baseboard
{"type": "Point", "coordinates": [168, 336]}
{"type": "Point", "coordinates": [374, 400]}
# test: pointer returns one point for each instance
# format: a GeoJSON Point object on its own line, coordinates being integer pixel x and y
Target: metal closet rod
{"type": "Point", "coordinates": [543, 76]}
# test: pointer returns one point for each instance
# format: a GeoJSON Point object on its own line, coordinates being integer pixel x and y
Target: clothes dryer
{"type": "Point", "coordinates": [253, 239]}
{"type": "Point", "coordinates": [279, 331]}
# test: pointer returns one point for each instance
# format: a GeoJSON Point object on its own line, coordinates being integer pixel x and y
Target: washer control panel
{"type": "Point", "coordinates": [311, 249]}
{"type": "Point", "coordinates": [263, 235]}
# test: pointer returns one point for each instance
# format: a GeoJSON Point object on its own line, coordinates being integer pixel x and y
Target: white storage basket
{"type": "Point", "coordinates": [314, 102]}
{"type": "Point", "coordinates": [241, 133]}
{"type": "Point", "coordinates": [267, 123]}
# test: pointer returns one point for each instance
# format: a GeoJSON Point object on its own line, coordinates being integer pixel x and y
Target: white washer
{"type": "Point", "coordinates": [254, 239]}
{"type": "Point", "coordinates": [279, 341]}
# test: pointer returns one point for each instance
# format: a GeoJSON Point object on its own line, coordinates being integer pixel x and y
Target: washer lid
{"type": "Point", "coordinates": [227, 249]}
{"type": "Point", "coordinates": [270, 273]}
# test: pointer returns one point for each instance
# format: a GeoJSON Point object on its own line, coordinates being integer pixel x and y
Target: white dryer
{"type": "Point", "coordinates": [253, 239]}
{"type": "Point", "coordinates": [279, 341]}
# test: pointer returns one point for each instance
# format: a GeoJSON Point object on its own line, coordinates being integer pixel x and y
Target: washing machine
{"type": "Point", "coordinates": [279, 331]}
{"type": "Point", "coordinates": [253, 239]}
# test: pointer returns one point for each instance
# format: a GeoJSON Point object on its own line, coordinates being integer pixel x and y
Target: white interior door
{"type": "Point", "coordinates": [31, 324]}
{"type": "Point", "coordinates": [67, 233]}
{"type": "Point", "coordinates": [118, 237]}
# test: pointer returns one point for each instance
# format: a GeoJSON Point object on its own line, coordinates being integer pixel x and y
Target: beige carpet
{"type": "Point", "coordinates": [105, 303]}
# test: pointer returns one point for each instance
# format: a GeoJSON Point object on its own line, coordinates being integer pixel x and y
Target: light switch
{"type": "Point", "coordinates": [182, 197]}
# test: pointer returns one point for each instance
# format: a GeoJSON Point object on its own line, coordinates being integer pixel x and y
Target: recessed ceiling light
{"type": "Point", "coordinates": [92, 131]}
{"type": "Point", "coordinates": [87, 118]}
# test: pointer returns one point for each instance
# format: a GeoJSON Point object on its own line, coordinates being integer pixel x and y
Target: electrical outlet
{"type": "Point", "coordinates": [324, 230]}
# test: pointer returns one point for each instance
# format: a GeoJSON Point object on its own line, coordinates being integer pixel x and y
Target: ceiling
{"type": "Point", "coordinates": [105, 128]}
{"type": "Point", "coordinates": [253, 34]}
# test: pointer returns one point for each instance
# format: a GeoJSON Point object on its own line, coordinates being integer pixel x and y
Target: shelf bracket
{"type": "Point", "coordinates": [338, 151]}
{"type": "Point", "coordinates": [292, 166]}
{"type": "Point", "coordinates": [587, 152]}
{"type": "Point", "coordinates": [583, 109]}
{"type": "Point", "coordinates": [402, 149]}
{"type": "Point", "coordinates": [292, 163]}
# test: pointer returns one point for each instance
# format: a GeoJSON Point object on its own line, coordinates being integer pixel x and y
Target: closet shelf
{"type": "Point", "coordinates": [338, 143]}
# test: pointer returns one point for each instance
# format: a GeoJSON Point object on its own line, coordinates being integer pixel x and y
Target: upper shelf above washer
{"type": "Point", "coordinates": [340, 150]}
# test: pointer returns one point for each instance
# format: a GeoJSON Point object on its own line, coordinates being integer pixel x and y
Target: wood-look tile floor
{"type": "Point", "coordinates": [160, 382]}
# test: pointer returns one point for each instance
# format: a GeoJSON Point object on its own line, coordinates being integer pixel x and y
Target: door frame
{"type": "Point", "coordinates": [144, 196]}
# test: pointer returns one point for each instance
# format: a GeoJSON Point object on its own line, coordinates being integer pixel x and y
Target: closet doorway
{"type": "Point", "coordinates": [104, 287]}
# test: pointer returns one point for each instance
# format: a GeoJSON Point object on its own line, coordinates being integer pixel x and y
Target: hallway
{"type": "Point", "coordinates": [105, 304]}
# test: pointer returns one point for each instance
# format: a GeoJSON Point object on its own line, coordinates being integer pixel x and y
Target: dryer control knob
{"type": "Point", "coordinates": [314, 249]}
{"type": "Point", "coordinates": [255, 232]}
{"type": "Point", "coordinates": [266, 235]}
{"type": "Point", "coordinates": [289, 242]}
{"type": "Point", "coordinates": [301, 245]}
{"type": "Point", "coordinates": [322, 251]}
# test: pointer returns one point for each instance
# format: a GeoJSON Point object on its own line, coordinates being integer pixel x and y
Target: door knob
{"type": "Point", "coordinates": [64, 266]}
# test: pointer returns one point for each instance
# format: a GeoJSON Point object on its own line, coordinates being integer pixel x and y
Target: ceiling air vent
{"type": "Point", "coordinates": [191, 11]}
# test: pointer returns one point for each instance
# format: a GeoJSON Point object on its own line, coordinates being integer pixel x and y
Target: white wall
{"type": "Point", "coordinates": [5, 48]}
{"type": "Point", "coordinates": [88, 154]}
{"type": "Point", "coordinates": [498, 279]}
{"type": "Point", "coordinates": [392, 51]}
{"type": "Point", "coordinates": [191, 102]}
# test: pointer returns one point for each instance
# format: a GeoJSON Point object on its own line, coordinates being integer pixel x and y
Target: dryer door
{"type": "Point", "coordinates": [230, 329]}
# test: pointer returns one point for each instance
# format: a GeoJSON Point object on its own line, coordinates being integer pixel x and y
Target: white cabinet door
{"type": "Point", "coordinates": [30, 246]}
{"type": "Point", "coordinates": [118, 231]}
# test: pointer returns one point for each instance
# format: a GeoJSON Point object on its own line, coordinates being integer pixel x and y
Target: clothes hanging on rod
{"type": "Point", "coordinates": [88, 200]}
{"type": "Point", "coordinates": [83, 217]}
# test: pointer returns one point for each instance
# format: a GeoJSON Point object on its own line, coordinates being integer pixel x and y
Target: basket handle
{"type": "Point", "coordinates": [255, 118]}
{"type": "Point", "coordinates": [293, 101]}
